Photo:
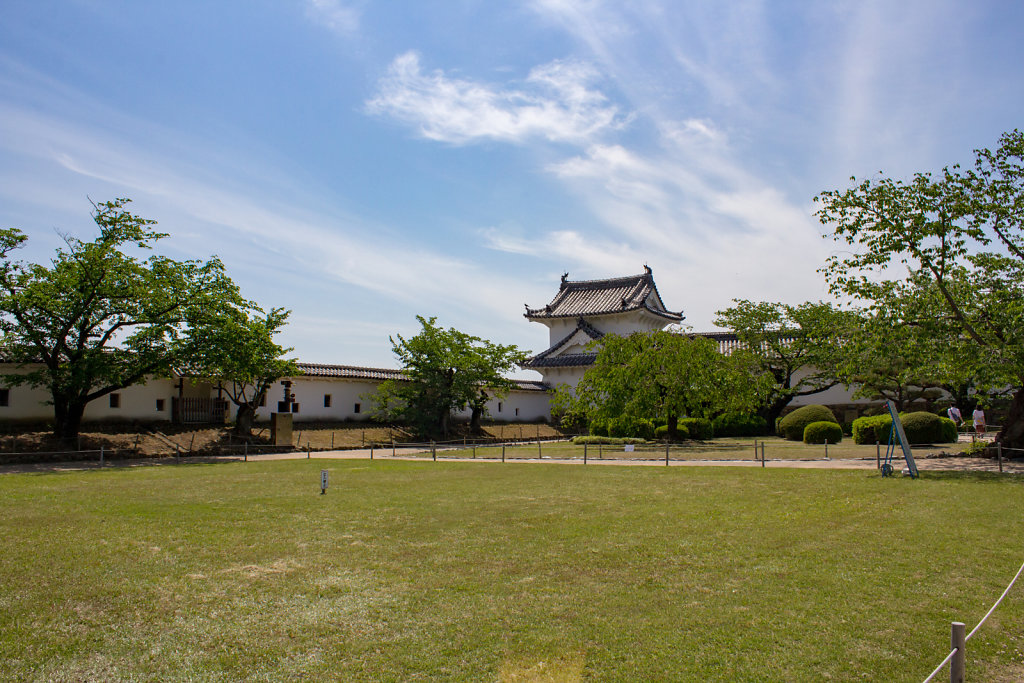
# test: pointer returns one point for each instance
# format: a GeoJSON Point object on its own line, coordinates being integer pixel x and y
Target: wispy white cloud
{"type": "Point", "coordinates": [335, 15]}
{"type": "Point", "coordinates": [555, 102]}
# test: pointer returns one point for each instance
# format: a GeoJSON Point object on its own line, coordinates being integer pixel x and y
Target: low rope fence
{"type": "Point", "coordinates": [957, 657]}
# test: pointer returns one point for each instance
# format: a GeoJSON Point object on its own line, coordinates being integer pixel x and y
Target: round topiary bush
{"type": "Point", "coordinates": [872, 429]}
{"type": "Point", "coordinates": [820, 432]}
{"type": "Point", "coordinates": [662, 432]}
{"type": "Point", "coordinates": [626, 426]}
{"type": "Point", "coordinates": [923, 428]}
{"type": "Point", "coordinates": [792, 426]}
{"type": "Point", "coordinates": [736, 424]}
{"type": "Point", "coordinates": [949, 431]}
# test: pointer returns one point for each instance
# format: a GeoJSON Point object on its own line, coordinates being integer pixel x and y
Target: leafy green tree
{"type": "Point", "coordinates": [795, 345]}
{"type": "Point", "coordinates": [239, 353]}
{"type": "Point", "coordinates": [97, 318]}
{"type": "Point", "coordinates": [445, 371]}
{"type": "Point", "coordinates": [962, 232]}
{"type": "Point", "coordinates": [665, 374]}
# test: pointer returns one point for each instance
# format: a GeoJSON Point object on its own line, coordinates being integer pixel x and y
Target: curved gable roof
{"type": "Point", "coordinates": [603, 297]}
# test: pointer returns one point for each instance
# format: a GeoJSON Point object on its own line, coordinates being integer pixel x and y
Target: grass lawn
{"type": "Point", "coordinates": [473, 571]}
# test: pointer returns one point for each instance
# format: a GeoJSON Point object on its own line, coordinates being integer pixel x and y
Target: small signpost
{"type": "Point", "coordinates": [323, 482]}
{"type": "Point", "coordinates": [897, 434]}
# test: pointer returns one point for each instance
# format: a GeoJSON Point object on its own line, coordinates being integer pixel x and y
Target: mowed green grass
{"type": "Point", "coordinates": [483, 571]}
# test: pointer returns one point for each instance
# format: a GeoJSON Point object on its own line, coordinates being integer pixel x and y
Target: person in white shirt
{"type": "Point", "coordinates": [979, 421]}
{"type": "Point", "coordinates": [955, 416]}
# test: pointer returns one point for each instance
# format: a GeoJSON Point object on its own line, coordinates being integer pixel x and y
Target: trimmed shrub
{"type": "Point", "coordinates": [604, 441]}
{"type": "Point", "coordinates": [820, 432]}
{"type": "Point", "coordinates": [626, 426]}
{"type": "Point", "coordinates": [922, 427]}
{"type": "Point", "coordinates": [949, 431]}
{"type": "Point", "coordinates": [868, 430]}
{"type": "Point", "coordinates": [662, 432]}
{"type": "Point", "coordinates": [599, 427]}
{"type": "Point", "coordinates": [792, 426]}
{"type": "Point", "coordinates": [735, 424]}
{"type": "Point", "coordinates": [699, 428]}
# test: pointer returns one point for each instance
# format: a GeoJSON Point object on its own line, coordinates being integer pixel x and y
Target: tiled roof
{"type": "Point", "coordinates": [348, 371]}
{"type": "Point", "coordinates": [602, 297]}
{"type": "Point", "coordinates": [548, 359]}
{"type": "Point", "coordinates": [375, 374]}
{"type": "Point", "coordinates": [729, 342]}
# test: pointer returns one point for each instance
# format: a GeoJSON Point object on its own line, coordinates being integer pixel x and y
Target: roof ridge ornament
{"type": "Point", "coordinates": [565, 277]}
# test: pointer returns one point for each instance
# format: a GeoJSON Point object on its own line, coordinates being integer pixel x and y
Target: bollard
{"type": "Point", "coordinates": [999, 454]}
{"type": "Point", "coordinates": [957, 665]}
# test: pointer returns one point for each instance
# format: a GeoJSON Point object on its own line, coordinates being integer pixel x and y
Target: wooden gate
{"type": "Point", "coordinates": [199, 410]}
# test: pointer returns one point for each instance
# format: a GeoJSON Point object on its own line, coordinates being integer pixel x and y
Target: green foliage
{"type": "Point", "coordinates": [626, 426]}
{"type": "Point", "coordinates": [663, 374]}
{"type": "Point", "coordinates": [606, 440]}
{"type": "Point", "coordinates": [681, 432]}
{"type": "Point", "coordinates": [699, 428]}
{"type": "Point", "coordinates": [922, 427]}
{"type": "Point", "coordinates": [793, 345]}
{"type": "Point", "coordinates": [872, 429]}
{"type": "Point", "coordinates": [792, 425]}
{"type": "Point", "coordinates": [97, 318]}
{"type": "Point", "coordinates": [949, 430]}
{"type": "Point", "coordinates": [960, 234]}
{"type": "Point", "coordinates": [445, 371]}
{"type": "Point", "coordinates": [736, 424]}
{"type": "Point", "coordinates": [599, 427]}
{"type": "Point", "coordinates": [822, 432]}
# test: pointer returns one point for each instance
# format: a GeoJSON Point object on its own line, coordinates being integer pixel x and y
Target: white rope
{"type": "Point", "coordinates": [939, 667]}
{"type": "Point", "coordinates": [997, 603]}
{"type": "Point", "coordinates": [987, 615]}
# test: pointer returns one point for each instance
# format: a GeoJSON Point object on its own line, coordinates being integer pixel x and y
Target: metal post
{"type": "Point", "coordinates": [999, 454]}
{"type": "Point", "coordinates": [307, 450]}
{"type": "Point", "coordinates": [433, 451]}
{"type": "Point", "coordinates": [371, 450]}
{"type": "Point", "coordinates": [878, 455]}
{"type": "Point", "coordinates": [474, 451]}
{"type": "Point", "coordinates": [959, 641]}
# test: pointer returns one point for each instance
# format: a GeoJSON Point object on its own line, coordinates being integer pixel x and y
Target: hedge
{"type": "Point", "coordinates": [792, 426]}
{"type": "Point", "coordinates": [627, 426]}
{"type": "Point", "coordinates": [820, 432]}
{"type": "Point", "coordinates": [604, 441]}
{"type": "Point", "coordinates": [699, 428]}
{"type": "Point", "coordinates": [734, 424]}
{"type": "Point", "coordinates": [662, 432]}
{"type": "Point", "coordinates": [920, 427]}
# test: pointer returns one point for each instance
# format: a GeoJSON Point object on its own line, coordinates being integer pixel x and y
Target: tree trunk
{"type": "Point", "coordinates": [474, 420]}
{"type": "Point", "coordinates": [244, 419]}
{"type": "Point", "coordinates": [672, 421]}
{"type": "Point", "coordinates": [1012, 433]}
{"type": "Point", "coordinates": [67, 418]}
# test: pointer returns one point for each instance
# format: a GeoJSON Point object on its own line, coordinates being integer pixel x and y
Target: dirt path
{"type": "Point", "coordinates": [947, 464]}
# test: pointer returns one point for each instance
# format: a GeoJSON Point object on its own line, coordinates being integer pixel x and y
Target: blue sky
{"type": "Point", "coordinates": [362, 162]}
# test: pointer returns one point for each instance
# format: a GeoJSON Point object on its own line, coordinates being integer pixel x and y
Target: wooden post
{"type": "Point", "coordinates": [177, 452]}
{"type": "Point", "coordinates": [600, 452]}
{"type": "Point", "coordinates": [755, 450]}
{"type": "Point", "coordinates": [101, 456]}
{"type": "Point", "coordinates": [762, 454]}
{"type": "Point", "coordinates": [245, 452]}
{"type": "Point", "coordinates": [332, 439]}
{"type": "Point", "coordinates": [878, 455]}
{"type": "Point", "coordinates": [371, 450]}
{"type": "Point", "coordinates": [433, 451]}
{"type": "Point", "coordinates": [362, 438]}
{"type": "Point", "coordinates": [584, 454]}
{"type": "Point", "coordinates": [826, 449]}
{"type": "Point", "coordinates": [191, 443]}
{"type": "Point", "coordinates": [392, 446]}
{"type": "Point", "coordinates": [307, 450]}
{"type": "Point", "coordinates": [474, 451]}
{"type": "Point", "coordinates": [540, 454]}
{"type": "Point", "coordinates": [503, 452]}
{"type": "Point", "coordinates": [666, 454]}
{"type": "Point", "coordinates": [957, 665]}
{"type": "Point", "coordinates": [999, 454]}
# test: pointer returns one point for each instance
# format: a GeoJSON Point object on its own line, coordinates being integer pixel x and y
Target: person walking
{"type": "Point", "coordinates": [955, 416]}
{"type": "Point", "coordinates": [979, 421]}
